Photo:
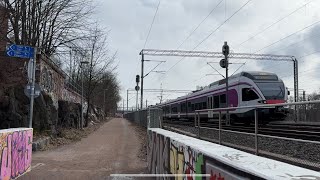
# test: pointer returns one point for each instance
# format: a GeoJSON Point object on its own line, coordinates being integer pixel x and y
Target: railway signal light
{"type": "Point", "coordinates": [225, 49]}
{"type": "Point", "coordinates": [137, 78]}
{"type": "Point", "coordinates": [223, 63]}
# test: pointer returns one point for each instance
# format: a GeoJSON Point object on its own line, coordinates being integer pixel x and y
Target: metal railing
{"type": "Point", "coordinates": [256, 120]}
{"type": "Point", "coordinates": [148, 118]}
{"type": "Point", "coordinates": [223, 112]}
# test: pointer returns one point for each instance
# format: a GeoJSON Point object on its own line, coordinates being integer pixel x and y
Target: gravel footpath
{"type": "Point", "coordinates": [112, 149]}
{"type": "Point", "coordinates": [299, 153]}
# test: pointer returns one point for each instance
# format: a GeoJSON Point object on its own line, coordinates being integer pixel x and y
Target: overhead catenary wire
{"type": "Point", "coordinates": [274, 23]}
{"type": "Point", "coordinates": [212, 32]}
{"type": "Point", "coordinates": [149, 31]}
{"type": "Point", "coordinates": [201, 22]}
{"type": "Point", "coordinates": [293, 44]}
{"type": "Point", "coordinates": [292, 34]}
{"type": "Point", "coordinates": [196, 28]}
{"type": "Point", "coordinates": [286, 37]}
{"type": "Point", "coordinates": [154, 17]}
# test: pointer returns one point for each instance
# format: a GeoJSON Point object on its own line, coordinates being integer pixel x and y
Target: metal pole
{"type": "Point", "coordinates": [137, 104]}
{"type": "Point", "coordinates": [81, 122]}
{"type": "Point", "coordinates": [146, 103]}
{"type": "Point", "coordinates": [305, 106]}
{"type": "Point", "coordinates": [227, 85]}
{"type": "Point", "coordinates": [104, 101]}
{"type": "Point", "coordinates": [256, 130]}
{"type": "Point", "coordinates": [142, 74]}
{"type": "Point", "coordinates": [219, 127]}
{"type": "Point", "coordinates": [127, 99]}
{"type": "Point", "coordinates": [34, 63]}
{"type": "Point", "coordinates": [296, 87]}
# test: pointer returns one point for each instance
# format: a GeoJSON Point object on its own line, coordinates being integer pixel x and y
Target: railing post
{"type": "Point", "coordinates": [219, 127]}
{"type": "Point", "coordinates": [256, 130]}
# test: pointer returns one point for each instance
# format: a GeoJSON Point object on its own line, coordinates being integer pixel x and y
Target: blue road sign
{"type": "Point", "coordinates": [20, 51]}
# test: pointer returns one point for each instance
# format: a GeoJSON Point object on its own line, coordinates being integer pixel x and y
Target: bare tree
{"type": "Point", "coordinates": [101, 64]}
{"type": "Point", "coordinates": [47, 24]}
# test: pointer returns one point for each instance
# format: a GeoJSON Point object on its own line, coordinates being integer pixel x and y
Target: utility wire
{"type": "Point", "coordinates": [293, 44]}
{"type": "Point", "coordinates": [195, 29]}
{"type": "Point", "coordinates": [294, 33]}
{"type": "Point", "coordinates": [155, 14]}
{"type": "Point", "coordinates": [145, 43]}
{"type": "Point", "coordinates": [212, 32]}
{"type": "Point", "coordinates": [276, 22]}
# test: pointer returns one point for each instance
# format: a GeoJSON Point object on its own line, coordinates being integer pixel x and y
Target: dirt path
{"type": "Point", "coordinates": [113, 148]}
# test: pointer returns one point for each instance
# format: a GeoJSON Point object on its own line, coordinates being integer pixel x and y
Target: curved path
{"type": "Point", "coordinates": [113, 148]}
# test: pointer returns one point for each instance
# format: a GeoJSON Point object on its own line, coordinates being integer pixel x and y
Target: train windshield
{"type": "Point", "coordinates": [274, 90]}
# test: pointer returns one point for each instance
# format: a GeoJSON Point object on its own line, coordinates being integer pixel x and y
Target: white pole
{"type": "Point", "coordinates": [34, 60]}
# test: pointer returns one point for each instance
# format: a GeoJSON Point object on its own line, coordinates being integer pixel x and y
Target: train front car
{"type": "Point", "coordinates": [269, 89]}
{"type": "Point", "coordinates": [245, 89]}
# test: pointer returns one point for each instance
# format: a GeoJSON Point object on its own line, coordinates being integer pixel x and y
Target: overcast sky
{"type": "Point", "coordinates": [129, 22]}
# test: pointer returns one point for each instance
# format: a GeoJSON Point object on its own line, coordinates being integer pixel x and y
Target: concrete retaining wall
{"type": "Point", "coordinates": [16, 152]}
{"type": "Point", "coordinates": [172, 153]}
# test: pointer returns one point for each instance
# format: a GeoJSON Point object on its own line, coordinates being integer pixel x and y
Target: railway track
{"type": "Point", "coordinates": [305, 132]}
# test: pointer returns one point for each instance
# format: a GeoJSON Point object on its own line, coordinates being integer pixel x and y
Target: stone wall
{"type": "Point", "coordinates": [14, 104]}
{"type": "Point", "coordinates": [52, 79]}
{"type": "Point", "coordinates": [16, 152]}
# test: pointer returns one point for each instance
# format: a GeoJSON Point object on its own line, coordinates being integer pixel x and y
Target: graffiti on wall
{"type": "Point", "coordinates": [46, 80]}
{"type": "Point", "coordinates": [16, 152]}
{"type": "Point", "coordinates": [169, 157]}
{"type": "Point", "coordinates": [69, 95]}
{"type": "Point", "coordinates": [159, 158]}
{"type": "Point", "coordinates": [166, 156]}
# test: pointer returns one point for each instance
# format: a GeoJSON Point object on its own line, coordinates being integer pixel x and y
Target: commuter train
{"type": "Point", "coordinates": [245, 89]}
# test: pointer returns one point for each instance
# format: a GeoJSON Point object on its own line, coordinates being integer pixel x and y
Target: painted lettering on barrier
{"type": "Point", "coordinates": [166, 156]}
{"type": "Point", "coordinates": [16, 152]}
{"type": "Point", "coordinates": [184, 160]}
{"type": "Point", "coordinates": [159, 158]}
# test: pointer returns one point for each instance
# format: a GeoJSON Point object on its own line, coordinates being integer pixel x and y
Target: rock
{"type": "Point", "coordinates": [4, 101]}
{"type": "Point", "coordinates": [40, 144]}
{"type": "Point", "coordinates": [69, 114]}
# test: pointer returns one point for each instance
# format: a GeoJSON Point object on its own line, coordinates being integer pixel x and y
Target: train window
{"type": "Point", "coordinates": [222, 98]}
{"type": "Point", "coordinates": [204, 105]}
{"type": "Point", "coordinates": [183, 107]}
{"type": "Point", "coordinates": [192, 107]}
{"type": "Point", "coordinates": [248, 94]}
{"type": "Point", "coordinates": [216, 101]}
{"type": "Point", "coordinates": [174, 109]}
{"type": "Point", "coordinates": [189, 104]}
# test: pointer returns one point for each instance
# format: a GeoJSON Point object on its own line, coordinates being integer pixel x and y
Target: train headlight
{"type": "Point", "coordinates": [262, 101]}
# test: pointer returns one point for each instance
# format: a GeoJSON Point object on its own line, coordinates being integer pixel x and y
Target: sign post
{"type": "Point", "coordinates": [32, 86]}
{"type": "Point", "coordinates": [31, 53]}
